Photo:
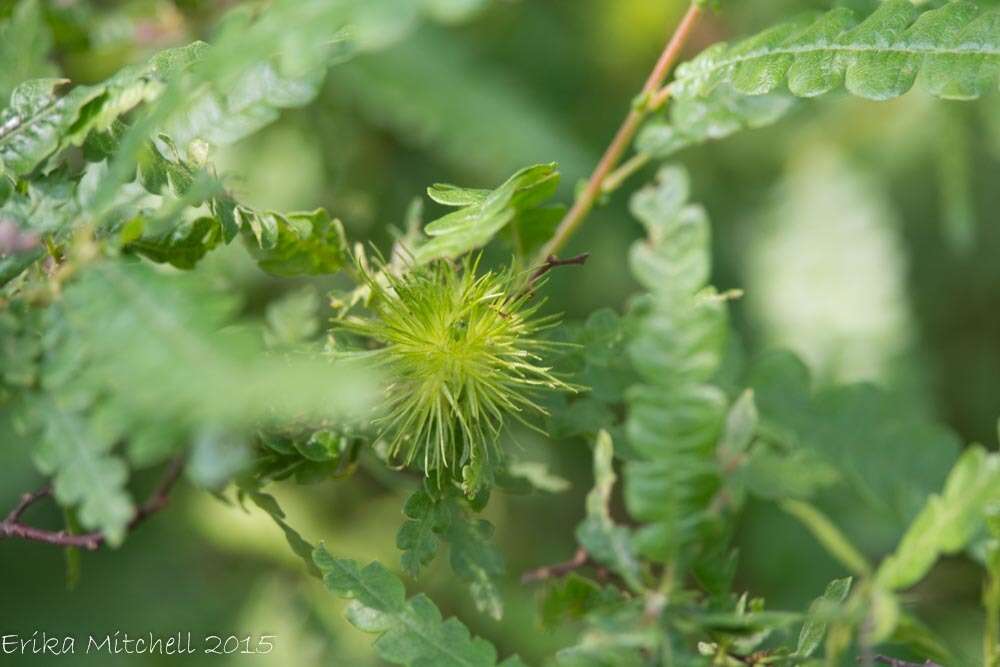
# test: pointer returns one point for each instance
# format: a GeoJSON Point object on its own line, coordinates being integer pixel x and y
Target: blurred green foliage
{"type": "Point", "coordinates": [863, 238]}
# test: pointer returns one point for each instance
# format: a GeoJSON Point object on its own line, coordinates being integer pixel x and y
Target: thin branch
{"type": "Point", "coordinates": [660, 98]}
{"type": "Point", "coordinates": [614, 180]}
{"type": "Point", "coordinates": [623, 138]}
{"type": "Point", "coordinates": [88, 541]}
{"type": "Point", "coordinates": [161, 494]}
{"type": "Point", "coordinates": [11, 527]}
{"type": "Point", "coordinates": [580, 559]}
{"type": "Point", "coordinates": [27, 500]}
{"type": "Point", "coordinates": [552, 262]}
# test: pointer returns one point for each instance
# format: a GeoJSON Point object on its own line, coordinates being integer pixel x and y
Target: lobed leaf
{"type": "Point", "coordinates": [953, 51]}
{"type": "Point", "coordinates": [182, 246]}
{"type": "Point", "coordinates": [76, 452]}
{"type": "Point", "coordinates": [433, 517]}
{"type": "Point", "coordinates": [418, 536]}
{"type": "Point", "coordinates": [295, 244]}
{"type": "Point", "coordinates": [410, 631]}
{"type": "Point", "coordinates": [675, 416]}
{"type": "Point", "coordinates": [605, 542]}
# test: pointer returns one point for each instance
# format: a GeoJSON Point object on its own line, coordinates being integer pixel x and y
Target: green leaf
{"type": "Point", "coordinates": [39, 123]}
{"type": "Point", "coordinates": [476, 560]}
{"type": "Point", "coordinates": [948, 521]}
{"type": "Point", "coordinates": [890, 456]}
{"type": "Point", "coordinates": [253, 101]}
{"type": "Point", "coordinates": [678, 338]}
{"type": "Point", "coordinates": [20, 344]}
{"type": "Point", "coordinates": [618, 637]}
{"type": "Point", "coordinates": [722, 113]}
{"type": "Point", "coordinates": [418, 536]}
{"type": "Point", "coordinates": [160, 167]}
{"type": "Point", "coordinates": [32, 127]}
{"type": "Point", "coordinates": [295, 244]}
{"type": "Point", "coordinates": [259, 64]}
{"type": "Point", "coordinates": [453, 195]}
{"type": "Point", "coordinates": [605, 542]}
{"type": "Point", "coordinates": [296, 542]}
{"type": "Point", "coordinates": [597, 358]}
{"type": "Point", "coordinates": [46, 205]}
{"type": "Point", "coordinates": [774, 475]}
{"type": "Point", "coordinates": [954, 51]}
{"type": "Point", "coordinates": [410, 631]}
{"type": "Point", "coordinates": [824, 530]}
{"type": "Point", "coordinates": [820, 613]}
{"type": "Point", "coordinates": [14, 265]}
{"type": "Point", "coordinates": [76, 452]}
{"type": "Point", "coordinates": [150, 346]}
{"type": "Point", "coordinates": [481, 217]}
{"type": "Point", "coordinates": [573, 597]}
{"type": "Point", "coordinates": [181, 245]}
{"type": "Point", "coordinates": [438, 515]}
{"type": "Point", "coordinates": [303, 453]}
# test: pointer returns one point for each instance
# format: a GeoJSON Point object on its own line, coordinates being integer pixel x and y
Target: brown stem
{"type": "Point", "coordinates": [585, 202]}
{"type": "Point", "coordinates": [552, 262]}
{"type": "Point", "coordinates": [11, 527]}
{"type": "Point", "coordinates": [580, 559]}
{"type": "Point", "coordinates": [27, 500]}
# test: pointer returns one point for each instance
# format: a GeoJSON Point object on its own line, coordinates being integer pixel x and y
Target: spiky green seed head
{"type": "Point", "coordinates": [461, 352]}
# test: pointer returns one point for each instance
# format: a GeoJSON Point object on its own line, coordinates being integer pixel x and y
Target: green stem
{"type": "Point", "coordinates": [615, 179]}
{"type": "Point", "coordinates": [623, 138]}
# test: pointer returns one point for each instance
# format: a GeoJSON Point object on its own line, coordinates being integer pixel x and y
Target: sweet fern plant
{"type": "Point", "coordinates": [434, 361]}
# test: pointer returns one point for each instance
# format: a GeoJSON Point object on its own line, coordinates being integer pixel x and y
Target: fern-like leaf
{"type": "Point", "coordinates": [675, 416]}
{"type": "Point", "coordinates": [433, 518]}
{"type": "Point", "coordinates": [954, 51]}
{"type": "Point", "coordinates": [75, 451]}
{"type": "Point", "coordinates": [411, 631]}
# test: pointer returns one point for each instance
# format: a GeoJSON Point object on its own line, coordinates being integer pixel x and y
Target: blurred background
{"type": "Point", "coordinates": [862, 233]}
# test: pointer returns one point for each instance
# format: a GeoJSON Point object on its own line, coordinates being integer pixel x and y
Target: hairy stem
{"type": "Point", "coordinates": [11, 526]}
{"type": "Point", "coordinates": [623, 138]}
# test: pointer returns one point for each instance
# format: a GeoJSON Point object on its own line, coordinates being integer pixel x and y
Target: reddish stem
{"type": "Point", "coordinates": [588, 198]}
{"type": "Point", "coordinates": [11, 526]}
